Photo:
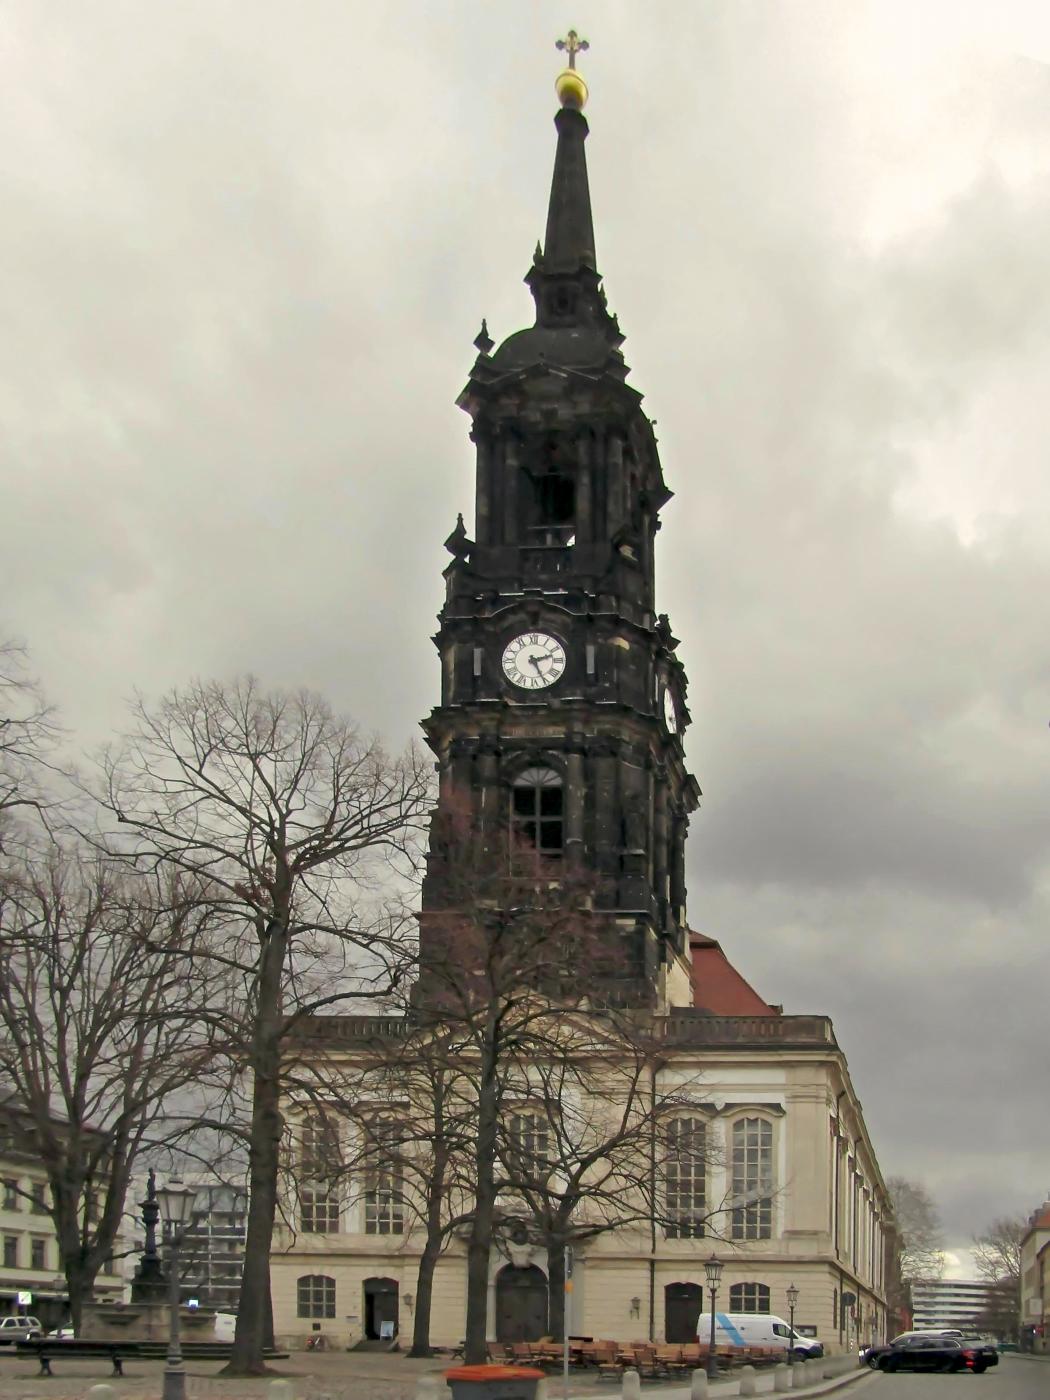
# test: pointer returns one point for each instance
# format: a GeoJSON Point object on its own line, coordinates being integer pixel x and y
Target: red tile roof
{"type": "Point", "coordinates": [717, 986]}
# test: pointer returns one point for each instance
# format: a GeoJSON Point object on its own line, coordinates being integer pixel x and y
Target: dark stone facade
{"type": "Point", "coordinates": [568, 495]}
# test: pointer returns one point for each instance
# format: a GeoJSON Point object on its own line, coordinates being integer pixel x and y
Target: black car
{"type": "Point", "coordinates": [985, 1354]}
{"type": "Point", "coordinates": [930, 1354]}
{"type": "Point", "coordinates": [870, 1355]}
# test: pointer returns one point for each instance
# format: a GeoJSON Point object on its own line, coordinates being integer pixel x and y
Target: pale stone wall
{"type": "Point", "coordinates": [826, 1238]}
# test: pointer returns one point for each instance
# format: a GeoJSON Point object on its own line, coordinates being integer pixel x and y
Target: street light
{"type": "Point", "coordinates": [176, 1210]}
{"type": "Point", "coordinates": [713, 1270]}
{"type": "Point", "coordinates": [792, 1297]}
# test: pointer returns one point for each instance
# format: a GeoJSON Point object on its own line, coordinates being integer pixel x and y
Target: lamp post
{"type": "Point", "coordinates": [792, 1297]}
{"type": "Point", "coordinates": [713, 1270]}
{"type": "Point", "coordinates": [176, 1209]}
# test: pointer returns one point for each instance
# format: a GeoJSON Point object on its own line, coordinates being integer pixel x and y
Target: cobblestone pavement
{"type": "Point", "coordinates": [314, 1376]}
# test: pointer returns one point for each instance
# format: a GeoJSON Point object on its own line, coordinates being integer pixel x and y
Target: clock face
{"type": "Point", "coordinates": [533, 660]}
{"type": "Point", "coordinates": [670, 713]}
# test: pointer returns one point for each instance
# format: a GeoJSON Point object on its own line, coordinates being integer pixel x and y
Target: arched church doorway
{"type": "Point", "coordinates": [683, 1303]}
{"type": "Point", "coordinates": [521, 1304]}
{"type": "Point", "coordinates": [380, 1309]}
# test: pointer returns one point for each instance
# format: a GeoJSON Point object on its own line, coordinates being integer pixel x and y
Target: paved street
{"type": "Point", "coordinates": [1015, 1378]}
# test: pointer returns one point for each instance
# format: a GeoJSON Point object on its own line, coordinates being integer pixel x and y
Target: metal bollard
{"type": "Point", "coordinates": [698, 1386]}
{"type": "Point", "coordinates": [427, 1388]}
{"type": "Point", "coordinates": [632, 1385]}
{"type": "Point", "coordinates": [747, 1381]}
{"type": "Point", "coordinates": [781, 1376]}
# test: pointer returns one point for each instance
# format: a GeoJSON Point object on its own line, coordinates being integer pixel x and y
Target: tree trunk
{"type": "Point", "coordinates": [428, 1262]}
{"type": "Point", "coordinates": [80, 1282]}
{"type": "Point", "coordinates": [479, 1247]}
{"type": "Point", "coordinates": [254, 1320]}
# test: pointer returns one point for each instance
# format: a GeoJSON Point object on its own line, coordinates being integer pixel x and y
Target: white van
{"type": "Point", "coordinates": [755, 1330]}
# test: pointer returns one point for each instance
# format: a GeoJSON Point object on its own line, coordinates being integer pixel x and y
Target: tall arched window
{"type": "Point", "coordinates": [320, 1163]}
{"type": "Point", "coordinates": [749, 1298]}
{"type": "Point", "coordinates": [537, 811]}
{"type": "Point", "coordinates": [685, 1178]}
{"type": "Point", "coordinates": [384, 1177]}
{"type": "Point", "coordinates": [315, 1295]}
{"type": "Point", "coordinates": [752, 1179]}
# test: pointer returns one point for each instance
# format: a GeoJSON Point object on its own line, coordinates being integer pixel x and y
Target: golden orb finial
{"type": "Point", "coordinates": [569, 84]}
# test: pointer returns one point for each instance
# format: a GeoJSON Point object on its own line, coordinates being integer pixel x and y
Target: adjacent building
{"type": "Point", "coordinates": [1035, 1281]}
{"type": "Point", "coordinates": [31, 1277]}
{"type": "Point", "coordinates": [561, 718]}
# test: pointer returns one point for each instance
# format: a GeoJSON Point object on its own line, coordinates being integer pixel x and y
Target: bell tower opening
{"type": "Point", "coordinates": [553, 515]}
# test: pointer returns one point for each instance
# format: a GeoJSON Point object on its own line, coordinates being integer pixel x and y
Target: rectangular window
{"type": "Point", "coordinates": [385, 1201]}
{"type": "Point", "coordinates": [38, 1197]}
{"type": "Point", "coordinates": [315, 1296]}
{"type": "Point", "coordinates": [12, 1200]}
{"type": "Point", "coordinates": [10, 1251]}
{"type": "Point", "coordinates": [38, 1254]}
{"type": "Point", "coordinates": [752, 1179]}
{"type": "Point", "coordinates": [318, 1210]}
{"type": "Point", "coordinates": [320, 1157]}
{"type": "Point", "coordinates": [529, 1142]}
{"type": "Point", "coordinates": [685, 1179]}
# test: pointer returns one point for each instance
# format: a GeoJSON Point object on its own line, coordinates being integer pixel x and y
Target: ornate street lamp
{"type": "Point", "coordinates": [792, 1297]}
{"type": "Point", "coordinates": [176, 1210]}
{"type": "Point", "coordinates": [713, 1270]}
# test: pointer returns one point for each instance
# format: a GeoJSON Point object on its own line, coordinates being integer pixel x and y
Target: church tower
{"type": "Point", "coordinates": [563, 703]}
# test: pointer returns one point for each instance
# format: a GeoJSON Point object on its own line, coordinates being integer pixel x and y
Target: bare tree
{"type": "Point", "coordinates": [919, 1228]}
{"type": "Point", "coordinates": [95, 979]}
{"type": "Point", "coordinates": [997, 1255]}
{"type": "Point", "coordinates": [600, 1144]}
{"type": "Point", "coordinates": [28, 734]}
{"type": "Point", "coordinates": [293, 824]}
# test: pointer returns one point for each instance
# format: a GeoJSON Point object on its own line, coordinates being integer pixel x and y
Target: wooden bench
{"type": "Point", "coordinates": [45, 1349]}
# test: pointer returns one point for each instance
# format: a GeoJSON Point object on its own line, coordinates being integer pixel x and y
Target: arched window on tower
{"type": "Point", "coordinates": [537, 812]}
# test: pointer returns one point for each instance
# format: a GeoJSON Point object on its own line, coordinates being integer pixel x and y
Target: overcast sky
{"type": "Point", "coordinates": [245, 247]}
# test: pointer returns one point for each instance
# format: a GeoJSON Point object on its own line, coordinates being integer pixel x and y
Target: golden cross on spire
{"type": "Point", "coordinates": [572, 45]}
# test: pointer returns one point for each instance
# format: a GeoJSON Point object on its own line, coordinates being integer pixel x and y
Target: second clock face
{"type": "Point", "coordinates": [670, 713]}
{"type": "Point", "coordinates": [533, 660]}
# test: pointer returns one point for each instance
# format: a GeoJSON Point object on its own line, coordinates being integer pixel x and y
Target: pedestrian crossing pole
{"type": "Point", "coordinates": [565, 1323]}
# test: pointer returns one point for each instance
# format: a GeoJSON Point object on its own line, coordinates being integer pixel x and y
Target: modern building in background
{"type": "Point", "coordinates": [30, 1266]}
{"type": "Point", "coordinates": [950, 1302]}
{"type": "Point", "coordinates": [211, 1257]}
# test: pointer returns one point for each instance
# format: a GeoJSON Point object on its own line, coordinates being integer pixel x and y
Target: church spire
{"type": "Point", "coordinates": [569, 242]}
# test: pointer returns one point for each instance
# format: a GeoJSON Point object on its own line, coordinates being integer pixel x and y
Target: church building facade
{"type": "Point", "coordinates": [562, 710]}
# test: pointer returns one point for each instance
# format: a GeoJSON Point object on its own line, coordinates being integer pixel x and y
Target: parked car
{"type": "Point", "coordinates": [756, 1330]}
{"type": "Point", "coordinates": [19, 1329]}
{"type": "Point", "coordinates": [930, 1353]}
{"type": "Point", "coordinates": [869, 1355]}
{"type": "Point", "coordinates": [62, 1334]}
